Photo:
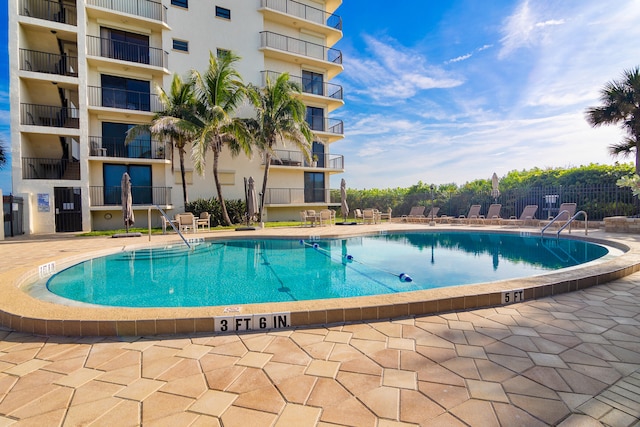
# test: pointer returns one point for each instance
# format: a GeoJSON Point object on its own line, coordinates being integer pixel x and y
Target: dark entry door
{"type": "Point", "coordinates": [68, 203]}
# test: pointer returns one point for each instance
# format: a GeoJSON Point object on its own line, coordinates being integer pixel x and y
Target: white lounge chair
{"type": "Point", "coordinates": [528, 216]}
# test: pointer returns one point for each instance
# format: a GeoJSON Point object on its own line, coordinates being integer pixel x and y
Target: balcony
{"type": "Point", "coordinates": [330, 129]}
{"type": "Point", "coordinates": [146, 9]}
{"type": "Point", "coordinates": [49, 63]}
{"type": "Point", "coordinates": [42, 168]}
{"type": "Point", "coordinates": [50, 10]}
{"type": "Point", "coordinates": [123, 99]}
{"type": "Point", "coordinates": [140, 195]}
{"type": "Point", "coordinates": [125, 51]}
{"type": "Point", "coordinates": [49, 115]}
{"type": "Point", "coordinates": [290, 49]}
{"type": "Point", "coordinates": [296, 196]}
{"type": "Point", "coordinates": [293, 13]}
{"type": "Point", "coordinates": [331, 93]}
{"type": "Point", "coordinates": [115, 147]}
{"type": "Point", "coordinates": [289, 158]}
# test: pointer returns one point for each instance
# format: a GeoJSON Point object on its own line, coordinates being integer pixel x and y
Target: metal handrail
{"type": "Point", "coordinates": [567, 224]}
{"type": "Point", "coordinates": [552, 221]}
{"type": "Point", "coordinates": [168, 220]}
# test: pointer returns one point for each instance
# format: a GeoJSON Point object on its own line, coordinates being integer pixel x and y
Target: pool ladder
{"type": "Point", "coordinates": [169, 221]}
{"type": "Point", "coordinates": [567, 224]}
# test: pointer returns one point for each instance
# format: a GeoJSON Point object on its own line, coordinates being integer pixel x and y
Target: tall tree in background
{"type": "Point", "coordinates": [621, 105]}
{"type": "Point", "coordinates": [219, 92]}
{"type": "Point", "coordinates": [176, 124]}
{"type": "Point", "coordinates": [280, 118]}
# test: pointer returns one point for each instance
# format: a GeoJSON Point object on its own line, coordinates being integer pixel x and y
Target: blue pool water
{"type": "Point", "coordinates": [254, 271]}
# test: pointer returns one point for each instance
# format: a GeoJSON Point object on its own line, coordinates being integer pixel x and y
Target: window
{"type": "Point", "coordinates": [141, 189]}
{"type": "Point", "coordinates": [317, 149]}
{"type": "Point", "coordinates": [221, 12]}
{"type": "Point", "coordinates": [131, 94]}
{"type": "Point", "coordinates": [315, 118]}
{"type": "Point", "coordinates": [222, 52]}
{"type": "Point", "coordinates": [313, 187]}
{"type": "Point", "coordinates": [181, 3]}
{"type": "Point", "coordinates": [181, 45]}
{"type": "Point", "coordinates": [312, 83]}
{"type": "Point", "coordinates": [113, 136]}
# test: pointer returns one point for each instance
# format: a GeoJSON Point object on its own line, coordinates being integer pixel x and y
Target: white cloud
{"type": "Point", "coordinates": [460, 58]}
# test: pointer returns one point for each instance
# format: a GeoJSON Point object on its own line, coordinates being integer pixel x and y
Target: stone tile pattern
{"type": "Point", "coordinates": [571, 359]}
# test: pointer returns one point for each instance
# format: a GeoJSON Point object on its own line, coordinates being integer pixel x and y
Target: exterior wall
{"type": "Point", "coordinates": [205, 34]}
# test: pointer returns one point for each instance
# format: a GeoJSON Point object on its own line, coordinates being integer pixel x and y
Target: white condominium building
{"type": "Point", "coordinates": [83, 72]}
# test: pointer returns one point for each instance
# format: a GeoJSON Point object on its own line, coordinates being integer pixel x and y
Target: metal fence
{"type": "Point", "coordinates": [598, 201]}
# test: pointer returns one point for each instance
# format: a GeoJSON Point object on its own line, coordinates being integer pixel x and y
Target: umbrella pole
{"type": "Point", "coordinates": [246, 199]}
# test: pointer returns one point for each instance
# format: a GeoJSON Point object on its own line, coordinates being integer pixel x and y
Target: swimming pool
{"type": "Point", "coordinates": [229, 272]}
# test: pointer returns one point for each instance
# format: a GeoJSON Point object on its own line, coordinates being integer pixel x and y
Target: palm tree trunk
{"type": "Point", "coordinates": [267, 163]}
{"type": "Point", "coordinates": [637, 154]}
{"type": "Point", "coordinates": [223, 206]}
{"type": "Point", "coordinates": [182, 174]}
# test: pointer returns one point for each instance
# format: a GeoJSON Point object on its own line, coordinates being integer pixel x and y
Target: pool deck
{"type": "Point", "coordinates": [564, 358]}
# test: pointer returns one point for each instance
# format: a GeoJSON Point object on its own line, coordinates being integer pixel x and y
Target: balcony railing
{"type": "Point", "coordinates": [140, 195]}
{"type": "Point", "coordinates": [144, 8]}
{"type": "Point", "coordinates": [138, 149]}
{"type": "Point", "coordinates": [296, 159]}
{"type": "Point", "coordinates": [51, 10]}
{"type": "Point", "coordinates": [49, 115]}
{"type": "Point", "coordinates": [288, 196]}
{"type": "Point", "coordinates": [314, 87]}
{"type": "Point", "coordinates": [303, 11]}
{"type": "Point", "coordinates": [300, 47]}
{"type": "Point", "coordinates": [125, 51]}
{"type": "Point", "coordinates": [125, 99]}
{"type": "Point", "coordinates": [50, 63]}
{"type": "Point", "coordinates": [321, 124]}
{"type": "Point", "coordinates": [42, 168]}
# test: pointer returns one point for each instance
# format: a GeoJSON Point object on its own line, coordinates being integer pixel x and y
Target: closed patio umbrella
{"type": "Point", "coordinates": [251, 199]}
{"type": "Point", "coordinates": [127, 204]}
{"type": "Point", "coordinates": [344, 207]}
{"type": "Point", "coordinates": [495, 192]}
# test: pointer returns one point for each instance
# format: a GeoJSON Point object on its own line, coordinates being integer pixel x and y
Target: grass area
{"type": "Point", "coordinates": [159, 230]}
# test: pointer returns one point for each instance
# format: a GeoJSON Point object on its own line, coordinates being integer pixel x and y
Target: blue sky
{"type": "Point", "coordinates": [452, 91]}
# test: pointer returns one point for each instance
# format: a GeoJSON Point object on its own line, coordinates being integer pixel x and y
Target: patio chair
{"type": "Point", "coordinates": [204, 221]}
{"type": "Point", "coordinates": [369, 216]}
{"type": "Point", "coordinates": [186, 221]}
{"type": "Point", "coordinates": [386, 215]}
{"type": "Point", "coordinates": [528, 215]}
{"type": "Point", "coordinates": [473, 215]}
{"type": "Point", "coordinates": [493, 214]}
{"type": "Point", "coordinates": [326, 217]}
{"type": "Point", "coordinates": [357, 214]}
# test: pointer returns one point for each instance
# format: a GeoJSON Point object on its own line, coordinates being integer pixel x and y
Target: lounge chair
{"type": "Point", "coordinates": [204, 221]}
{"type": "Point", "coordinates": [415, 214]}
{"type": "Point", "coordinates": [528, 215]}
{"type": "Point", "coordinates": [473, 215]}
{"type": "Point", "coordinates": [493, 214]}
{"type": "Point", "coordinates": [433, 213]}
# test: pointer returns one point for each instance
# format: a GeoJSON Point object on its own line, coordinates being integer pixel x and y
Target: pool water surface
{"type": "Point", "coordinates": [234, 272]}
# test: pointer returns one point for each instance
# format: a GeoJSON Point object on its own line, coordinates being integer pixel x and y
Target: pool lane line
{"type": "Point", "coordinates": [283, 288]}
{"type": "Point", "coordinates": [346, 265]}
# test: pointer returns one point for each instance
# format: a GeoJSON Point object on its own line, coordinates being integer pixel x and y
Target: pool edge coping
{"type": "Point", "coordinates": [75, 321]}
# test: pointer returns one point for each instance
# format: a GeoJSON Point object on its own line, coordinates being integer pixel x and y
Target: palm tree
{"type": "Point", "coordinates": [621, 105]}
{"type": "Point", "coordinates": [220, 92]}
{"type": "Point", "coordinates": [176, 123]}
{"type": "Point", "coordinates": [3, 155]}
{"type": "Point", "coordinates": [280, 117]}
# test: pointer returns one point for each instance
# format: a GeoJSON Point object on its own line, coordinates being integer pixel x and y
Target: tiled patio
{"type": "Point", "coordinates": [570, 360]}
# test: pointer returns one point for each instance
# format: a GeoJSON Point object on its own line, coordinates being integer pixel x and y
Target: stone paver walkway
{"type": "Point", "coordinates": [568, 360]}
